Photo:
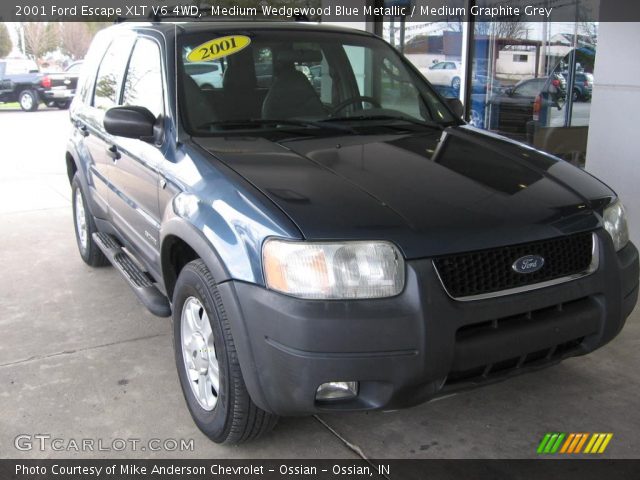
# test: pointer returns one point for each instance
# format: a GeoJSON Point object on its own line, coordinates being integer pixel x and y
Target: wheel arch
{"type": "Point", "coordinates": [182, 243]}
{"type": "Point", "coordinates": [72, 166]}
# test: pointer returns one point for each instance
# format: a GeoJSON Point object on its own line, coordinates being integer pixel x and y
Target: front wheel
{"type": "Point", "coordinates": [28, 100]}
{"type": "Point", "coordinates": [455, 83]}
{"type": "Point", "coordinates": [207, 362]}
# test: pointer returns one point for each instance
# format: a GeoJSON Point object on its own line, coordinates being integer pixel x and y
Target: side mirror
{"type": "Point", "coordinates": [508, 91]}
{"type": "Point", "coordinates": [456, 106]}
{"type": "Point", "coordinates": [130, 122]}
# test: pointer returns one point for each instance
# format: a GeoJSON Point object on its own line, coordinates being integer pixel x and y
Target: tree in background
{"type": "Point", "coordinates": [74, 38]}
{"type": "Point", "coordinates": [5, 41]}
{"type": "Point", "coordinates": [514, 29]}
{"type": "Point", "coordinates": [39, 38]}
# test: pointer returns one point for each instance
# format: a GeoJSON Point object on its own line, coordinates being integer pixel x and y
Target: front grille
{"type": "Point", "coordinates": [489, 271]}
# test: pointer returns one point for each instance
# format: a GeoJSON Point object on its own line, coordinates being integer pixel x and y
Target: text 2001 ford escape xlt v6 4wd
{"type": "Point", "coordinates": [336, 240]}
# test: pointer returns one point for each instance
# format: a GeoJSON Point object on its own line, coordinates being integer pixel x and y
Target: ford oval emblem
{"type": "Point", "coordinates": [528, 264]}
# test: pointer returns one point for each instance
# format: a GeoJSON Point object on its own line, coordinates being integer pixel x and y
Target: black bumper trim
{"type": "Point", "coordinates": [307, 354]}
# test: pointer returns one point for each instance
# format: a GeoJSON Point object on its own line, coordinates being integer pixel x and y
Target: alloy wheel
{"type": "Point", "coordinates": [199, 354]}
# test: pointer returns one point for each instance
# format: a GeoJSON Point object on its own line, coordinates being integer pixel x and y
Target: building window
{"type": "Point", "coordinates": [521, 58]}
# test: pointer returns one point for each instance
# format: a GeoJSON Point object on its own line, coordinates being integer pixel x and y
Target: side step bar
{"type": "Point", "coordinates": [149, 295]}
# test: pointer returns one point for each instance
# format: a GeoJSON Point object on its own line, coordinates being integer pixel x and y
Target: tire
{"type": "Point", "coordinates": [576, 95]}
{"type": "Point", "coordinates": [89, 251]}
{"type": "Point", "coordinates": [226, 415]}
{"type": "Point", "coordinates": [28, 100]}
{"type": "Point", "coordinates": [455, 83]}
{"type": "Point", "coordinates": [63, 105]}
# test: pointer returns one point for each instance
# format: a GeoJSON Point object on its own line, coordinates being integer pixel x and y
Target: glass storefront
{"type": "Point", "coordinates": [533, 82]}
{"type": "Point", "coordinates": [528, 81]}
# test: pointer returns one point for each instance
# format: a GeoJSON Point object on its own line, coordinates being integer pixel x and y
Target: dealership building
{"type": "Point", "coordinates": [570, 88]}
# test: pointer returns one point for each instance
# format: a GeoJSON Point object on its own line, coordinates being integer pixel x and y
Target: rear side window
{"type": "Point", "coordinates": [143, 82]}
{"type": "Point", "coordinates": [110, 73]}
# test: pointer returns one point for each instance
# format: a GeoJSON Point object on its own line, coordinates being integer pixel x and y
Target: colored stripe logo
{"type": "Point", "coordinates": [572, 443]}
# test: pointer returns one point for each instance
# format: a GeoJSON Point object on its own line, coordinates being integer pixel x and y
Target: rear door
{"type": "Point", "coordinates": [134, 174]}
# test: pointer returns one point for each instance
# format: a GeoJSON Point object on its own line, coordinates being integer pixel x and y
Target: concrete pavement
{"type": "Point", "coordinates": [81, 358]}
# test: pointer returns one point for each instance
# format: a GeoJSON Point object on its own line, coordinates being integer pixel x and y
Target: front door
{"type": "Point", "coordinates": [134, 177]}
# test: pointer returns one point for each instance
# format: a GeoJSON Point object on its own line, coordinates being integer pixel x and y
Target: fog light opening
{"type": "Point", "coordinates": [335, 391]}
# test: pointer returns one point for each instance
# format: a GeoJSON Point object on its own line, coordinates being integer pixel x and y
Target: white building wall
{"type": "Point", "coordinates": [613, 148]}
{"type": "Point", "coordinates": [509, 69]}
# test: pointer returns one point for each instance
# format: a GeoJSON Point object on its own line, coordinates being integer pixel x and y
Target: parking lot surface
{"type": "Point", "coordinates": [80, 358]}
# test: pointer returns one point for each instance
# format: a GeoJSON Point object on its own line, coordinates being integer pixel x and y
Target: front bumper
{"type": "Point", "coordinates": [420, 344]}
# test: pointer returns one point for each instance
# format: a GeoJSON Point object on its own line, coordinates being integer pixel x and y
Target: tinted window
{"type": "Point", "coordinates": [110, 73]}
{"type": "Point", "coordinates": [143, 83]}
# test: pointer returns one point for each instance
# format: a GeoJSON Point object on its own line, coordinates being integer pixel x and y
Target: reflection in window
{"type": "Point", "coordinates": [434, 48]}
{"type": "Point", "coordinates": [533, 82]}
{"type": "Point", "coordinates": [143, 83]}
{"type": "Point", "coordinates": [110, 73]}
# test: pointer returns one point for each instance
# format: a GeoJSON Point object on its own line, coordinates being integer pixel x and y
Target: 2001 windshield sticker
{"type": "Point", "coordinates": [218, 48]}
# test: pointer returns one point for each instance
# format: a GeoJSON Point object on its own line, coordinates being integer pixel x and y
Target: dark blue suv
{"type": "Point", "coordinates": [324, 230]}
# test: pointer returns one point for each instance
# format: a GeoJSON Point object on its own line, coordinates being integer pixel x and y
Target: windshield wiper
{"type": "Point", "coordinates": [254, 122]}
{"type": "Point", "coordinates": [407, 119]}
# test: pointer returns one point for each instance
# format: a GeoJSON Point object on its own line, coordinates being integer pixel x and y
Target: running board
{"type": "Point", "coordinates": [142, 286]}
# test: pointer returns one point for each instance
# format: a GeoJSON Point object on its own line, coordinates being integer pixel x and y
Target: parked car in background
{"type": "Point", "coordinates": [207, 75]}
{"type": "Point", "coordinates": [444, 73]}
{"type": "Point", "coordinates": [515, 110]}
{"type": "Point", "coordinates": [20, 82]}
{"type": "Point", "coordinates": [58, 89]}
{"type": "Point", "coordinates": [582, 86]}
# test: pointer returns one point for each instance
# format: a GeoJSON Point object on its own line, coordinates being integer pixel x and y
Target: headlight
{"type": "Point", "coordinates": [615, 222]}
{"type": "Point", "coordinates": [333, 270]}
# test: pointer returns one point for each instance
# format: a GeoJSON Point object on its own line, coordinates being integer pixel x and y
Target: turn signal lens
{"type": "Point", "coordinates": [333, 270]}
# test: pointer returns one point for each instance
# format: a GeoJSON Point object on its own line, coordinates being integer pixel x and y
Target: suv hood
{"type": "Point", "coordinates": [431, 193]}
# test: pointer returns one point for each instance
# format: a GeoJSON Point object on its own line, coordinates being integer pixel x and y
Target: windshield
{"type": "Point", "coordinates": [265, 79]}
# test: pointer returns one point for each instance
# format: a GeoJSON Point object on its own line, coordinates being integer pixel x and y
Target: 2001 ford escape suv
{"type": "Point", "coordinates": [335, 243]}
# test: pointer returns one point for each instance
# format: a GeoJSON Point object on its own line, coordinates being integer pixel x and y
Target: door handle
{"type": "Point", "coordinates": [113, 152]}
